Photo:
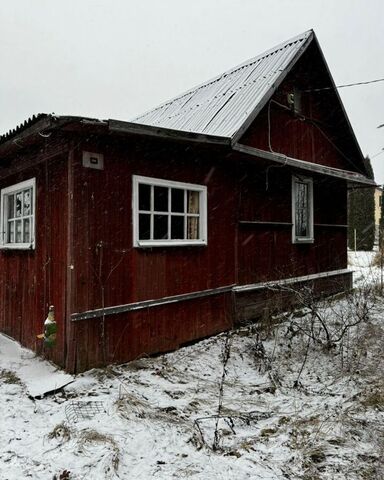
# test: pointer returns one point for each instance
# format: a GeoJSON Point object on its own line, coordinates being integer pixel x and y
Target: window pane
{"type": "Point", "coordinates": [19, 201]}
{"type": "Point", "coordinates": [144, 226]}
{"type": "Point", "coordinates": [302, 210]}
{"type": "Point", "coordinates": [27, 202]}
{"type": "Point", "coordinates": [144, 197]}
{"type": "Point", "coordinates": [11, 206]}
{"type": "Point", "coordinates": [193, 201]}
{"type": "Point", "coordinates": [11, 232]}
{"type": "Point", "coordinates": [160, 196]}
{"type": "Point", "coordinates": [177, 204]}
{"type": "Point", "coordinates": [193, 228]}
{"type": "Point", "coordinates": [19, 238]}
{"type": "Point", "coordinates": [160, 227]}
{"type": "Point", "coordinates": [26, 232]}
{"type": "Point", "coordinates": [177, 227]}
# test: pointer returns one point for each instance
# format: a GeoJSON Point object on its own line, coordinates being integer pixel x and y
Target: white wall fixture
{"type": "Point", "coordinates": [93, 160]}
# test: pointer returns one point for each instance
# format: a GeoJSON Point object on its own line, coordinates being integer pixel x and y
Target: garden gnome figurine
{"type": "Point", "coordinates": [50, 328]}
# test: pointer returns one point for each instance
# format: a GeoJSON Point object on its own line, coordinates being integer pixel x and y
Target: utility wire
{"type": "Point", "coordinates": [378, 153]}
{"type": "Point", "coordinates": [346, 85]}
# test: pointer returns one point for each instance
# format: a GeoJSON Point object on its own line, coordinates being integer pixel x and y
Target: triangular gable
{"type": "Point", "coordinates": [316, 129]}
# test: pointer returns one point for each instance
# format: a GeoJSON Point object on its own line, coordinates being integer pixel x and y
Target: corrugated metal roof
{"type": "Point", "coordinates": [26, 124]}
{"type": "Point", "coordinates": [222, 105]}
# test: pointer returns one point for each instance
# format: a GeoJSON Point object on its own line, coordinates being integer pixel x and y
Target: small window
{"type": "Point", "coordinates": [302, 209]}
{"type": "Point", "coordinates": [168, 213]}
{"type": "Point", "coordinates": [18, 215]}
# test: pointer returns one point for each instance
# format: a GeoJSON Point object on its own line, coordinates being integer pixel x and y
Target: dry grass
{"type": "Point", "coordinates": [60, 432]}
{"type": "Point", "coordinates": [90, 436]}
{"type": "Point", "coordinates": [7, 376]}
{"type": "Point", "coordinates": [128, 404]}
{"type": "Point", "coordinates": [378, 259]}
{"type": "Point", "coordinates": [374, 398]}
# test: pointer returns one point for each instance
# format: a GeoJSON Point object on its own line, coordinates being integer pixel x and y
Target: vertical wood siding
{"type": "Point", "coordinates": [266, 251]}
{"type": "Point", "coordinates": [32, 280]}
{"type": "Point", "coordinates": [109, 271]}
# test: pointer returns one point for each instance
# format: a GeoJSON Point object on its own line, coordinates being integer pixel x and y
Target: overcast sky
{"type": "Point", "coordinates": [118, 58]}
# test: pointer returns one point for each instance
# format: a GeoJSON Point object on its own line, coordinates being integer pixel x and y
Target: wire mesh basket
{"type": "Point", "coordinates": [83, 410]}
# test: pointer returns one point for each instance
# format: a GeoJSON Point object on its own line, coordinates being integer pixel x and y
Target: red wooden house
{"type": "Point", "coordinates": [146, 235]}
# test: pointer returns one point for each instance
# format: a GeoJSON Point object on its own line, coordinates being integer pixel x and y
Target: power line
{"type": "Point", "coordinates": [378, 153]}
{"type": "Point", "coordinates": [346, 85]}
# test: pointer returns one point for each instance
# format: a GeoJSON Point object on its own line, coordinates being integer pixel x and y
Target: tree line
{"type": "Point", "coordinates": [361, 215]}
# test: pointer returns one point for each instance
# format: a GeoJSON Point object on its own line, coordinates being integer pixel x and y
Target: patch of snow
{"type": "Point", "coordinates": [38, 376]}
{"type": "Point", "coordinates": [365, 271]}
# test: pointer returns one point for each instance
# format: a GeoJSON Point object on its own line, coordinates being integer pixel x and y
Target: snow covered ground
{"type": "Point", "coordinates": [363, 266]}
{"type": "Point", "coordinates": [277, 400]}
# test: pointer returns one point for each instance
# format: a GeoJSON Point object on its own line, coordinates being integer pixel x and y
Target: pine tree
{"type": "Point", "coordinates": [361, 214]}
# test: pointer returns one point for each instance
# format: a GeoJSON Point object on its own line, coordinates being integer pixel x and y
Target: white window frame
{"type": "Point", "coordinates": [309, 182]}
{"type": "Point", "coordinates": [5, 193]}
{"type": "Point", "coordinates": [203, 230]}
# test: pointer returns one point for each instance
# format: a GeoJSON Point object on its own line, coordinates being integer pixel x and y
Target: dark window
{"type": "Point", "coordinates": [302, 209]}
{"type": "Point", "coordinates": [144, 197]}
{"type": "Point", "coordinates": [160, 197]}
{"type": "Point", "coordinates": [177, 227]}
{"type": "Point", "coordinates": [144, 226]}
{"type": "Point", "coordinates": [160, 227]}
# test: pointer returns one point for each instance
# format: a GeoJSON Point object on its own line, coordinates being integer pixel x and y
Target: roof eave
{"type": "Point", "coordinates": [41, 127]}
{"type": "Point", "coordinates": [26, 134]}
{"type": "Point", "coordinates": [119, 126]}
{"type": "Point", "coordinates": [350, 177]}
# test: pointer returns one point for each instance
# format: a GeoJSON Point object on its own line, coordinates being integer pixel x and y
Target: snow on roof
{"type": "Point", "coordinates": [222, 105]}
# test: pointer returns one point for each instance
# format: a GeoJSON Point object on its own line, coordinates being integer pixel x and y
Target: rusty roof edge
{"type": "Point", "coordinates": [42, 123]}
{"type": "Point", "coordinates": [348, 175]}
{"type": "Point", "coordinates": [251, 117]}
{"type": "Point", "coordinates": [23, 126]}
{"type": "Point", "coordinates": [37, 126]}
{"type": "Point", "coordinates": [154, 131]}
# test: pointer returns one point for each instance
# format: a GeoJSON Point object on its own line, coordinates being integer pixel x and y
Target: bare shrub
{"type": "Point", "coordinates": [307, 439]}
{"type": "Point", "coordinates": [326, 321]}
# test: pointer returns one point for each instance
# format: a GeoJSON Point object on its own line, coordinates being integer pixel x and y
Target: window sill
{"type": "Point", "coordinates": [18, 246]}
{"type": "Point", "coordinates": [299, 241]}
{"type": "Point", "coordinates": [176, 243]}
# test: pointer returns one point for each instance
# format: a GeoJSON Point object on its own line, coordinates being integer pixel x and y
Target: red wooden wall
{"type": "Point", "coordinates": [30, 281]}
{"type": "Point", "coordinates": [266, 251]}
{"type": "Point", "coordinates": [105, 263]}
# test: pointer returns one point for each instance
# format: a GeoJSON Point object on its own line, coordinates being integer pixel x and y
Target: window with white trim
{"type": "Point", "coordinates": [17, 221]}
{"type": "Point", "coordinates": [167, 213]}
{"type": "Point", "coordinates": [302, 209]}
